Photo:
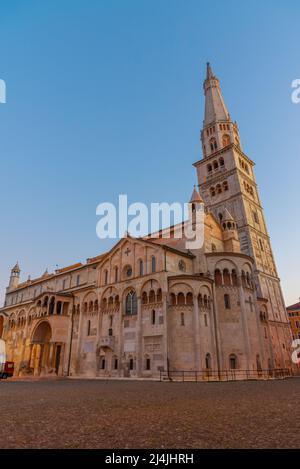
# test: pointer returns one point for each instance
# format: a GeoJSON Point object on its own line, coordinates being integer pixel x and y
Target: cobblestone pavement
{"type": "Point", "coordinates": [141, 414]}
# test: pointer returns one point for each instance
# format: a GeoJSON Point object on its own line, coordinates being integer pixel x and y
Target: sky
{"type": "Point", "coordinates": [105, 98]}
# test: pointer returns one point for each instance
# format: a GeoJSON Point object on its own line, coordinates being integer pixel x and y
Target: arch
{"type": "Point", "coordinates": [131, 303]}
{"type": "Point", "coordinates": [180, 299]}
{"type": "Point", "coordinates": [42, 333]}
{"type": "Point", "coordinates": [144, 298]}
{"type": "Point", "coordinates": [52, 305]}
{"type": "Point", "coordinates": [152, 297]}
{"type": "Point", "coordinates": [153, 264]}
{"type": "Point", "coordinates": [141, 267]}
{"type": "Point", "coordinates": [219, 189]}
{"type": "Point", "coordinates": [189, 298]}
{"type": "Point", "coordinates": [173, 299]}
{"type": "Point", "coordinates": [221, 162]}
{"type": "Point", "coordinates": [218, 277]}
{"type": "Point", "coordinates": [212, 191]}
{"type": "Point", "coordinates": [226, 277]}
{"type": "Point", "coordinates": [213, 144]}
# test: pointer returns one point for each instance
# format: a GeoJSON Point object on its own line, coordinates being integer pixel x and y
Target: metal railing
{"type": "Point", "coordinates": [224, 375]}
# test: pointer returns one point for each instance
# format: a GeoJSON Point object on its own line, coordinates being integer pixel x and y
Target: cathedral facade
{"type": "Point", "coordinates": [151, 305]}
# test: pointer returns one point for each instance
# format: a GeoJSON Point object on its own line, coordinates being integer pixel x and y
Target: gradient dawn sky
{"type": "Point", "coordinates": [104, 97]}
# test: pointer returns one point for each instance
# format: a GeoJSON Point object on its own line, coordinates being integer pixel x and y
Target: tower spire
{"type": "Point", "coordinates": [215, 107]}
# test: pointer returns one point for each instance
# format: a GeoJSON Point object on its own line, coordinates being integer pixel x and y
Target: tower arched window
{"type": "Point", "coordinates": [212, 191]}
{"type": "Point", "coordinates": [221, 162]}
{"type": "Point", "coordinates": [225, 186]}
{"type": "Point", "coordinates": [209, 168]}
{"type": "Point", "coordinates": [219, 189]}
{"type": "Point", "coordinates": [213, 144]}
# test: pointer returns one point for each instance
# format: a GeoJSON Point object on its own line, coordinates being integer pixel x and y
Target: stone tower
{"type": "Point", "coordinates": [227, 184]}
{"type": "Point", "coordinates": [14, 277]}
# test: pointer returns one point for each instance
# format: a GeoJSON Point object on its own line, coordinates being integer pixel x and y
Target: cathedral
{"type": "Point", "coordinates": [149, 305]}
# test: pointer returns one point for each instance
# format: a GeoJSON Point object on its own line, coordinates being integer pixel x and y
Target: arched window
{"type": "Point", "coordinates": [209, 168]}
{"type": "Point", "coordinates": [144, 298]}
{"type": "Point", "coordinates": [216, 164]}
{"type": "Point", "coordinates": [153, 317]}
{"type": "Point", "coordinates": [233, 362]}
{"type": "Point", "coordinates": [213, 144]}
{"type": "Point", "coordinates": [221, 161]}
{"type": "Point", "coordinates": [173, 299]}
{"type": "Point", "coordinates": [159, 295]}
{"type": "Point", "coordinates": [219, 189]}
{"type": "Point", "coordinates": [141, 267]}
{"type": "Point", "coordinates": [218, 277]}
{"type": "Point", "coordinates": [105, 277]}
{"type": "Point", "coordinates": [52, 305]}
{"type": "Point", "coordinates": [180, 299]}
{"type": "Point", "coordinates": [225, 186]}
{"type": "Point", "coordinates": [189, 299]}
{"type": "Point", "coordinates": [153, 264]}
{"type": "Point", "coordinates": [226, 140]}
{"type": "Point", "coordinates": [131, 303]}
{"type": "Point", "coordinates": [182, 319]}
{"type": "Point", "coordinates": [208, 361]}
{"type": "Point", "coordinates": [226, 277]}
{"type": "Point", "coordinates": [227, 301]}
{"type": "Point", "coordinates": [152, 296]}
{"type": "Point", "coordinates": [116, 274]}
{"type": "Point", "coordinates": [88, 332]}
{"type": "Point", "coordinates": [212, 191]}
{"type": "Point", "coordinates": [234, 278]}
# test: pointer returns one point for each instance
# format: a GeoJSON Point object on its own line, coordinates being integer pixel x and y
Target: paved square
{"type": "Point", "coordinates": [140, 414]}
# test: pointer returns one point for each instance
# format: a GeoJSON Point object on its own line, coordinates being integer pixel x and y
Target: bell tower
{"type": "Point", "coordinates": [14, 277]}
{"type": "Point", "coordinates": [227, 184]}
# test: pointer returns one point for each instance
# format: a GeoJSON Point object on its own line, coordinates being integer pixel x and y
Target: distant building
{"type": "Point", "coordinates": [293, 312]}
{"type": "Point", "coordinates": [150, 304]}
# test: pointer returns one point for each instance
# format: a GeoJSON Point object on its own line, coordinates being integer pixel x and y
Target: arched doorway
{"type": "Point", "coordinates": [44, 354]}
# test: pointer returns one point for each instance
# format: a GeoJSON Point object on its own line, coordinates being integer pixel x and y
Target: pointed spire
{"type": "Point", "coordinates": [16, 268]}
{"type": "Point", "coordinates": [209, 72]}
{"type": "Point", "coordinates": [215, 108]}
{"type": "Point", "coordinates": [196, 198]}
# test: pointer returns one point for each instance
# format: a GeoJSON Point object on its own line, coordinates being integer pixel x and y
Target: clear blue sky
{"type": "Point", "coordinates": [105, 97]}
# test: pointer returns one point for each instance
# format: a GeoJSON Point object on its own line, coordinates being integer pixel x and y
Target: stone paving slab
{"type": "Point", "coordinates": [146, 414]}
